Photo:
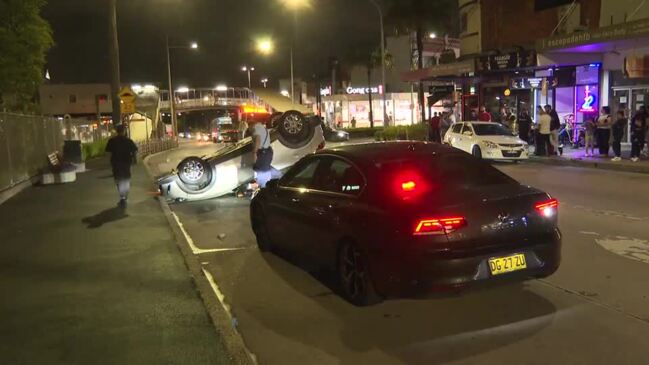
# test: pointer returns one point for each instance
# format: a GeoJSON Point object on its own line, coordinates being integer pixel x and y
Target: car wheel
{"type": "Point", "coordinates": [294, 129]}
{"type": "Point", "coordinates": [261, 231]}
{"type": "Point", "coordinates": [195, 172]}
{"type": "Point", "coordinates": [354, 277]}
{"type": "Point", "coordinates": [477, 152]}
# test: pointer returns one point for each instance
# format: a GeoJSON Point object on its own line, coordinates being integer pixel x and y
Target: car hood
{"type": "Point", "coordinates": [502, 139]}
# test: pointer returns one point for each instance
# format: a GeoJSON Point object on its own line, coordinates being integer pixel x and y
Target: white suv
{"type": "Point", "coordinates": [487, 140]}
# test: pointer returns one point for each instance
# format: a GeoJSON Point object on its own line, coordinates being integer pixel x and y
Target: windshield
{"type": "Point", "coordinates": [491, 130]}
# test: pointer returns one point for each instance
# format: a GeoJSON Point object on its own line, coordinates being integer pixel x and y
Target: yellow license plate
{"type": "Point", "coordinates": [503, 265]}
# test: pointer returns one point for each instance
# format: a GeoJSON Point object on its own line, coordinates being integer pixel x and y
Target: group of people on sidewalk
{"type": "Point", "coordinates": [603, 131]}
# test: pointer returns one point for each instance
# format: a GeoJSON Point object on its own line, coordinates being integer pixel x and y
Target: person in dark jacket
{"type": "Point", "coordinates": [123, 153]}
{"type": "Point", "coordinates": [524, 126]}
{"type": "Point", "coordinates": [618, 133]}
{"type": "Point", "coordinates": [555, 125]}
{"type": "Point", "coordinates": [638, 131]}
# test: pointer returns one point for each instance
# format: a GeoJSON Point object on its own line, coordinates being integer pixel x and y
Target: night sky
{"type": "Point", "coordinates": [225, 30]}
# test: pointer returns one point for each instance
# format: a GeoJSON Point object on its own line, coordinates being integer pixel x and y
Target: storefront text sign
{"type": "Point", "coordinates": [628, 30]}
{"type": "Point", "coordinates": [507, 61]}
{"type": "Point", "coordinates": [364, 90]}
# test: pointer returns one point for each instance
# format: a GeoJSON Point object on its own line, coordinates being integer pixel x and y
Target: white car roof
{"type": "Point", "coordinates": [478, 122]}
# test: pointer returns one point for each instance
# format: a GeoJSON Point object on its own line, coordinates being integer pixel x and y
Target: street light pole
{"type": "Point", "coordinates": [249, 71]}
{"type": "Point", "coordinates": [174, 123]}
{"type": "Point", "coordinates": [385, 115]}
{"type": "Point", "coordinates": [292, 62]}
{"type": "Point", "coordinates": [114, 62]}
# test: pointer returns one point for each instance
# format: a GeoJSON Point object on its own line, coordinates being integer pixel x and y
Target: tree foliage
{"type": "Point", "coordinates": [25, 38]}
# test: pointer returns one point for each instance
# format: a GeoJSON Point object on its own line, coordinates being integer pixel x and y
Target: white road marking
{"type": "Point", "coordinates": [589, 233]}
{"type": "Point", "coordinates": [611, 213]}
{"type": "Point", "coordinates": [195, 249]}
{"type": "Point", "coordinates": [631, 248]}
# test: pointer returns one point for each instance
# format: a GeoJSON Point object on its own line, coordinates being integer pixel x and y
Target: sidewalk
{"type": "Point", "coordinates": [83, 282]}
{"type": "Point", "coordinates": [577, 158]}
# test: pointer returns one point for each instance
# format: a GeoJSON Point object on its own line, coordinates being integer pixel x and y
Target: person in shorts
{"type": "Point", "coordinates": [262, 153]}
{"type": "Point", "coordinates": [589, 136]}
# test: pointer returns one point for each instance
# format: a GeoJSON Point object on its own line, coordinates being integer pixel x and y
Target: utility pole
{"type": "Point", "coordinates": [172, 107]}
{"type": "Point", "coordinates": [385, 87]}
{"type": "Point", "coordinates": [115, 83]}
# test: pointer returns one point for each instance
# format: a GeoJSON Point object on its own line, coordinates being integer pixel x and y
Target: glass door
{"type": "Point", "coordinates": [621, 101]}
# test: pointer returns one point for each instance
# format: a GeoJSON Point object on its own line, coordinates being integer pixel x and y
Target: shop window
{"type": "Point", "coordinates": [72, 98]}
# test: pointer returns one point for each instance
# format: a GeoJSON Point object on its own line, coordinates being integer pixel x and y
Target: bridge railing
{"type": "Point", "coordinates": [209, 98]}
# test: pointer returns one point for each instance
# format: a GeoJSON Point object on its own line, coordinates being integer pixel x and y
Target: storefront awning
{"type": "Point", "coordinates": [600, 40]}
{"type": "Point", "coordinates": [449, 69]}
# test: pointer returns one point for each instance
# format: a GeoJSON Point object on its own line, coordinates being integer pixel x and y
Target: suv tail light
{"type": "Point", "coordinates": [548, 208]}
{"type": "Point", "coordinates": [439, 225]}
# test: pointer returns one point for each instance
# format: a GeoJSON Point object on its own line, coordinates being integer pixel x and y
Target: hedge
{"type": "Point", "coordinates": [362, 132]}
{"type": "Point", "coordinates": [94, 149]}
{"type": "Point", "coordinates": [416, 132]}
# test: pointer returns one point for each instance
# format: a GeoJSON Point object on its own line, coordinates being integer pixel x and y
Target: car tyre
{"type": "Point", "coordinates": [195, 172]}
{"type": "Point", "coordinates": [260, 229]}
{"type": "Point", "coordinates": [294, 129]}
{"type": "Point", "coordinates": [354, 277]}
{"type": "Point", "coordinates": [476, 152]}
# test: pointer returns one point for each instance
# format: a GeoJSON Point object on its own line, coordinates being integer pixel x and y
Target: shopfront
{"type": "Point", "coordinates": [340, 110]}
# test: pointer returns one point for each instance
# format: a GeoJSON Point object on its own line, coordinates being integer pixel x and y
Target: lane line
{"type": "Point", "coordinates": [196, 250]}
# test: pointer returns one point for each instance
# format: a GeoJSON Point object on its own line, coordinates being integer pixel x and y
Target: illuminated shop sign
{"type": "Point", "coordinates": [587, 99]}
{"type": "Point", "coordinates": [364, 90]}
{"type": "Point", "coordinates": [325, 91]}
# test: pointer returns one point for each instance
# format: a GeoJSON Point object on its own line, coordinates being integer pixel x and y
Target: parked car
{"type": "Point", "coordinates": [486, 140]}
{"type": "Point", "coordinates": [401, 219]}
{"type": "Point", "coordinates": [334, 135]}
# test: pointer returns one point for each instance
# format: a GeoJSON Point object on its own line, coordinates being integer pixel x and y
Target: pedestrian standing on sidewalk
{"type": "Point", "coordinates": [589, 136]}
{"type": "Point", "coordinates": [524, 125]}
{"type": "Point", "coordinates": [434, 135]}
{"type": "Point", "coordinates": [123, 154]}
{"type": "Point", "coordinates": [618, 133]}
{"type": "Point", "coordinates": [543, 144]}
{"type": "Point", "coordinates": [604, 131]}
{"type": "Point", "coordinates": [484, 115]}
{"type": "Point", "coordinates": [638, 131]}
{"type": "Point", "coordinates": [555, 125]}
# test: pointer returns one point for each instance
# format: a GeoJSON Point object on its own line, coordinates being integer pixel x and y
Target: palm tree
{"type": "Point", "coordinates": [421, 17]}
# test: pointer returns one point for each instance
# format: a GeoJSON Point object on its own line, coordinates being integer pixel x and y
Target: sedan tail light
{"type": "Point", "coordinates": [439, 225]}
{"type": "Point", "coordinates": [548, 208]}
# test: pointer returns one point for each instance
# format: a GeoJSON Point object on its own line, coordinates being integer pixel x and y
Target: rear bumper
{"type": "Point", "coordinates": [408, 274]}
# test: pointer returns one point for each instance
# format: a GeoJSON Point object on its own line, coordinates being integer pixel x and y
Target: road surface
{"type": "Point", "coordinates": [594, 310]}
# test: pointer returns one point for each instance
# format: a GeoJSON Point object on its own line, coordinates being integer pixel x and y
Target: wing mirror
{"type": "Point", "coordinates": [272, 184]}
{"type": "Point", "coordinates": [467, 133]}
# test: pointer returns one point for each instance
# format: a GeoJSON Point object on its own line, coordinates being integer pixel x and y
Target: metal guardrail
{"type": "Point", "coordinates": [146, 148]}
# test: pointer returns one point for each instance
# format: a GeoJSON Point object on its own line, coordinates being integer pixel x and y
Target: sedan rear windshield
{"type": "Point", "coordinates": [491, 130]}
{"type": "Point", "coordinates": [453, 171]}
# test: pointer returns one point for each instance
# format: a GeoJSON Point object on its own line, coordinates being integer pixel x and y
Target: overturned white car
{"type": "Point", "coordinates": [293, 136]}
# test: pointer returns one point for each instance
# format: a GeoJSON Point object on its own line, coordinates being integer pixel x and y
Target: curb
{"type": "Point", "coordinates": [215, 307]}
{"type": "Point", "coordinates": [602, 165]}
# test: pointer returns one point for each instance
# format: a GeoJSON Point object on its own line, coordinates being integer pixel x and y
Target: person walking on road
{"type": "Point", "coordinates": [618, 134]}
{"type": "Point", "coordinates": [589, 136]}
{"type": "Point", "coordinates": [604, 131]}
{"type": "Point", "coordinates": [262, 153]}
{"type": "Point", "coordinates": [123, 154]}
{"type": "Point", "coordinates": [638, 131]}
{"type": "Point", "coordinates": [524, 126]}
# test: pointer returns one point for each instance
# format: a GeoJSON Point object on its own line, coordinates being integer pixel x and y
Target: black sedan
{"type": "Point", "coordinates": [404, 219]}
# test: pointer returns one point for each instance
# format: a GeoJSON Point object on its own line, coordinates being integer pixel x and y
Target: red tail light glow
{"type": "Point", "coordinates": [439, 225]}
{"type": "Point", "coordinates": [548, 208]}
{"type": "Point", "coordinates": [408, 186]}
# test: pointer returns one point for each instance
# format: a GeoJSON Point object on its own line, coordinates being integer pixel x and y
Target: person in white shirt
{"type": "Point", "coordinates": [262, 153]}
{"type": "Point", "coordinates": [544, 133]}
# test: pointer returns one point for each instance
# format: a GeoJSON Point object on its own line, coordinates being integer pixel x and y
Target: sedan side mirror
{"type": "Point", "coordinates": [272, 184]}
{"type": "Point", "coordinates": [467, 133]}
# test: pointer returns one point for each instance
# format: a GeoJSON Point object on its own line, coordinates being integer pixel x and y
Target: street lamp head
{"type": "Point", "coordinates": [183, 89]}
{"type": "Point", "coordinates": [265, 46]}
{"type": "Point", "coordinates": [193, 45]}
{"type": "Point", "coordinates": [221, 88]}
{"type": "Point", "coordinates": [252, 68]}
{"type": "Point", "coordinates": [244, 68]}
{"type": "Point", "coordinates": [296, 4]}
{"type": "Point", "coordinates": [432, 35]}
